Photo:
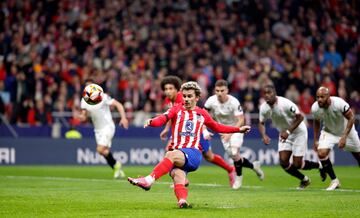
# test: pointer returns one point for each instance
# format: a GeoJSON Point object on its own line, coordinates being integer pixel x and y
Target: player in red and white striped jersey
{"type": "Point", "coordinates": [185, 154]}
{"type": "Point", "coordinates": [171, 87]}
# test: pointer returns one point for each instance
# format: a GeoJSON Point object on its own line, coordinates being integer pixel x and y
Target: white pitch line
{"type": "Point", "coordinates": [162, 183]}
{"type": "Point", "coordinates": [111, 180]}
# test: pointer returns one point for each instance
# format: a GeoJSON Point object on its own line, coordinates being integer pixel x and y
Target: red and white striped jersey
{"type": "Point", "coordinates": [186, 126]}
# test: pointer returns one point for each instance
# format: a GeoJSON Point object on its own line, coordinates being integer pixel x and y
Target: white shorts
{"type": "Point", "coordinates": [296, 142]}
{"type": "Point", "coordinates": [328, 141]}
{"type": "Point", "coordinates": [104, 136]}
{"type": "Point", "coordinates": [232, 147]}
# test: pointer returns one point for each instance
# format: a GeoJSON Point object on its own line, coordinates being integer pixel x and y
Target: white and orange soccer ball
{"type": "Point", "coordinates": [93, 94]}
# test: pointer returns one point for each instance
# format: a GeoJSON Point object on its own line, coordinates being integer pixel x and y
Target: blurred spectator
{"type": "Point", "coordinates": [305, 101]}
{"type": "Point", "coordinates": [49, 49]}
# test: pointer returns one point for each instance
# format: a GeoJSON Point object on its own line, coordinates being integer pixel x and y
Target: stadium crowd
{"type": "Point", "coordinates": [49, 48]}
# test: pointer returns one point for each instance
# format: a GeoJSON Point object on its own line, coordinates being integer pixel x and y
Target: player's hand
{"type": "Point", "coordinates": [283, 136]}
{"type": "Point", "coordinates": [207, 135]}
{"type": "Point", "coordinates": [315, 146]}
{"type": "Point", "coordinates": [266, 140]}
{"type": "Point", "coordinates": [342, 142]}
{"type": "Point", "coordinates": [147, 123]}
{"type": "Point", "coordinates": [124, 123]}
{"type": "Point", "coordinates": [163, 134]}
{"type": "Point", "coordinates": [245, 129]}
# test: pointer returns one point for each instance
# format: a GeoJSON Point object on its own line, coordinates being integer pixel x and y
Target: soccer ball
{"type": "Point", "coordinates": [93, 94]}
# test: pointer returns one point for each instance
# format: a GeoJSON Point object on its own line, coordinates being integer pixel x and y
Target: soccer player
{"type": "Point", "coordinates": [171, 86]}
{"type": "Point", "coordinates": [293, 134]}
{"type": "Point", "coordinates": [104, 127]}
{"type": "Point", "coordinates": [184, 154]}
{"type": "Point", "coordinates": [338, 128]}
{"type": "Point", "coordinates": [227, 110]}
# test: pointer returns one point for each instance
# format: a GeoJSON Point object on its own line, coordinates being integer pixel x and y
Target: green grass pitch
{"type": "Point", "coordinates": [90, 191]}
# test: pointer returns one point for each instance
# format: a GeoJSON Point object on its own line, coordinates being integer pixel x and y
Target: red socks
{"type": "Point", "coordinates": [162, 168]}
{"type": "Point", "coordinates": [218, 160]}
{"type": "Point", "coordinates": [180, 191]}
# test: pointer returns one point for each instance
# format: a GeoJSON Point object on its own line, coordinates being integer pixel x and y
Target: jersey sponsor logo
{"type": "Point", "coordinates": [189, 126]}
{"type": "Point", "coordinates": [191, 134]}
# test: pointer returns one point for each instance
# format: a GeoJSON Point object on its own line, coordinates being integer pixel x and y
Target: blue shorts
{"type": "Point", "coordinates": [192, 159]}
{"type": "Point", "coordinates": [205, 144]}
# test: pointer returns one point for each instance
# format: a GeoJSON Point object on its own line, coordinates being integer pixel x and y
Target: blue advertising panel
{"type": "Point", "coordinates": [130, 151]}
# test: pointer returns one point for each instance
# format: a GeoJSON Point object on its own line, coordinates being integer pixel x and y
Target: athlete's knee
{"type": "Point", "coordinates": [104, 151]}
{"type": "Point", "coordinates": [323, 154]}
{"type": "Point", "coordinates": [297, 164]}
{"type": "Point", "coordinates": [209, 156]}
{"type": "Point", "coordinates": [284, 164]}
{"type": "Point", "coordinates": [174, 155]}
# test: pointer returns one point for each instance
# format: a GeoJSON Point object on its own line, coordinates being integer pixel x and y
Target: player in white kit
{"type": "Point", "coordinates": [227, 110]}
{"type": "Point", "coordinates": [293, 136]}
{"type": "Point", "coordinates": [104, 127]}
{"type": "Point", "coordinates": [338, 128]}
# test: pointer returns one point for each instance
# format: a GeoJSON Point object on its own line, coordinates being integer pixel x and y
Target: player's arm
{"type": "Point", "coordinates": [298, 119]}
{"type": "Point", "coordinates": [262, 129]}
{"type": "Point", "coordinates": [161, 119]}
{"type": "Point", "coordinates": [217, 127]}
{"type": "Point", "coordinates": [120, 108]}
{"type": "Point", "coordinates": [207, 135]}
{"type": "Point", "coordinates": [316, 130]}
{"type": "Point", "coordinates": [349, 115]}
{"type": "Point", "coordinates": [164, 133]}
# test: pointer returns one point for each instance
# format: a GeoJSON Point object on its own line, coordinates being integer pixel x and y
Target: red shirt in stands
{"type": "Point", "coordinates": [186, 126]}
{"type": "Point", "coordinates": [178, 101]}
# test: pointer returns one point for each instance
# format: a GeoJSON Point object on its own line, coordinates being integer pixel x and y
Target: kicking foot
{"type": "Point", "coordinates": [140, 182]}
{"type": "Point", "coordinates": [183, 204]}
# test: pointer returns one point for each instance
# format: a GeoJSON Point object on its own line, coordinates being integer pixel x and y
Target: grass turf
{"type": "Point", "coordinates": [90, 191]}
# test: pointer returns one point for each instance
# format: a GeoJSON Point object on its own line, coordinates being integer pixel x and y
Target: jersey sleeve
{"type": "Point", "coordinates": [237, 107]}
{"type": "Point", "coordinates": [314, 110]}
{"type": "Point", "coordinates": [207, 104]}
{"type": "Point", "coordinates": [83, 104]}
{"type": "Point", "coordinates": [264, 113]}
{"type": "Point", "coordinates": [217, 127]}
{"type": "Point", "coordinates": [291, 108]}
{"type": "Point", "coordinates": [163, 118]}
{"type": "Point", "coordinates": [107, 99]}
{"type": "Point", "coordinates": [342, 105]}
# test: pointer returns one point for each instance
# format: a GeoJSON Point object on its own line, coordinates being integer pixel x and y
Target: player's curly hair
{"type": "Point", "coordinates": [173, 80]}
{"type": "Point", "coordinates": [192, 86]}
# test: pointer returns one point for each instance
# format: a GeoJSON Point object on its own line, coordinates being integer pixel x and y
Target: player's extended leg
{"type": "Point", "coordinates": [328, 168]}
{"type": "Point", "coordinates": [217, 159]}
{"type": "Point", "coordinates": [356, 155]}
{"type": "Point", "coordinates": [309, 165]}
{"type": "Point", "coordinates": [288, 167]}
{"type": "Point", "coordinates": [171, 159]}
{"type": "Point", "coordinates": [297, 163]}
{"type": "Point", "coordinates": [181, 192]}
{"type": "Point", "coordinates": [116, 165]}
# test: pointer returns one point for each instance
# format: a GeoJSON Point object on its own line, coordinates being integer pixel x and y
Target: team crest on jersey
{"type": "Point", "coordinates": [189, 126]}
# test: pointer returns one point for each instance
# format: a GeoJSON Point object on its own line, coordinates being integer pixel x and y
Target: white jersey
{"type": "Point", "coordinates": [282, 114]}
{"type": "Point", "coordinates": [224, 113]}
{"type": "Point", "coordinates": [100, 113]}
{"type": "Point", "coordinates": [333, 119]}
